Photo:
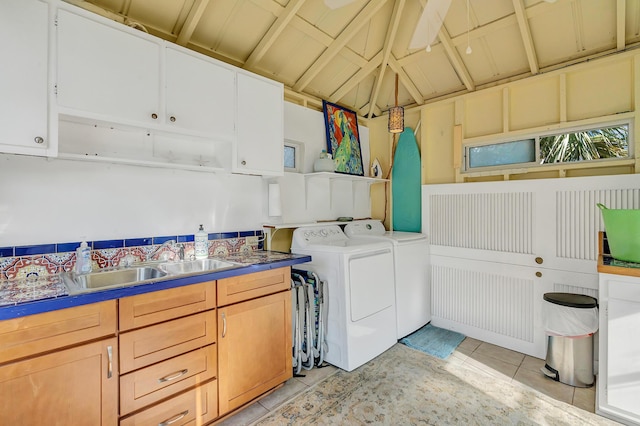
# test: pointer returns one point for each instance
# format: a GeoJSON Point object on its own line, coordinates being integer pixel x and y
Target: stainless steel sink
{"type": "Point", "coordinates": [195, 266]}
{"type": "Point", "coordinates": [81, 283]}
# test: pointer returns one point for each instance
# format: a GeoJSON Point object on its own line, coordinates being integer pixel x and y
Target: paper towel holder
{"type": "Point", "coordinates": [274, 199]}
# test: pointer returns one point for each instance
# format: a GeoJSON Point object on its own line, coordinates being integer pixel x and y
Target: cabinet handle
{"type": "Point", "coordinates": [539, 260]}
{"type": "Point", "coordinates": [174, 419]}
{"type": "Point", "coordinates": [244, 163]}
{"type": "Point", "coordinates": [154, 116]}
{"type": "Point", "coordinates": [172, 119]}
{"type": "Point", "coordinates": [173, 376]}
{"type": "Point", "coordinates": [109, 362]}
{"type": "Point", "coordinates": [224, 325]}
{"type": "Point", "coordinates": [38, 139]}
{"type": "Point", "coordinates": [538, 274]}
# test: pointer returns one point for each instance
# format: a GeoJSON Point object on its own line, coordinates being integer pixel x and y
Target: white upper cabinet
{"type": "Point", "coordinates": [105, 73]}
{"type": "Point", "coordinates": [23, 82]}
{"type": "Point", "coordinates": [200, 95]}
{"type": "Point", "coordinates": [260, 141]}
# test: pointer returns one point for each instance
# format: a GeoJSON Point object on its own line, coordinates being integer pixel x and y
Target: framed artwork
{"type": "Point", "coordinates": [343, 139]}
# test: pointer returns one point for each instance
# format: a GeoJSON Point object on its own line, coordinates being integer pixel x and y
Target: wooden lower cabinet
{"type": "Point", "coordinates": [77, 386]}
{"type": "Point", "coordinates": [254, 348]}
{"type": "Point", "coordinates": [159, 381]}
{"type": "Point", "coordinates": [195, 407]}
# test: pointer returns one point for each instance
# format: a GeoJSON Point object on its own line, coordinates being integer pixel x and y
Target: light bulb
{"type": "Point", "coordinates": [428, 48]}
{"type": "Point", "coordinates": [468, 51]}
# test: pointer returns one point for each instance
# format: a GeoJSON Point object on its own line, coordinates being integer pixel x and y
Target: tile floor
{"type": "Point", "coordinates": [498, 362]}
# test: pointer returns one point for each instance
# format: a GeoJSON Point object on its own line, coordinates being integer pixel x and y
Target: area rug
{"type": "Point", "coordinates": [434, 341]}
{"type": "Point", "coordinates": [404, 386]}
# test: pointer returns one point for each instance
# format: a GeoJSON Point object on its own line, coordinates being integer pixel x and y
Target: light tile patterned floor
{"type": "Point", "coordinates": [492, 360]}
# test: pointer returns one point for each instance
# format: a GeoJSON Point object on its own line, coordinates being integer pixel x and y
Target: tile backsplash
{"type": "Point", "coordinates": [49, 259]}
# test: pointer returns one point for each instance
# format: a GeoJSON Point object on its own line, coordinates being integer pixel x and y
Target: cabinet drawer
{"type": "Point", "coordinates": [33, 334]}
{"type": "Point", "coordinates": [250, 286]}
{"type": "Point", "coordinates": [159, 342]}
{"type": "Point", "coordinates": [159, 306]}
{"type": "Point", "coordinates": [159, 381]}
{"type": "Point", "coordinates": [195, 407]}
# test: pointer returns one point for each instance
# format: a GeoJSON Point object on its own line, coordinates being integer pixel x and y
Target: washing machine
{"type": "Point", "coordinates": [361, 308]}
{"type": "Point", "coordinates": [411, 269]}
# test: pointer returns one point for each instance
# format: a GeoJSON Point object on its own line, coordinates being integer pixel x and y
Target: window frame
{"type": "Point", "coordinates": [536, 136]}
{"type": "Point", "coordinates": [298, 148]}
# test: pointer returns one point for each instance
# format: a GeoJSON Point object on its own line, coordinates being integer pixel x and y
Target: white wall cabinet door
{"type": "Point", "coordinates": [106, 73]}
{"type": "Point", "coordinates": [619, 378]}
{"type": "Point", "coordinates": [200, 95]}
{"type": "Point", "coordinates": [24, 69]}
{"type": "Point", "coordinates": [260, 144]}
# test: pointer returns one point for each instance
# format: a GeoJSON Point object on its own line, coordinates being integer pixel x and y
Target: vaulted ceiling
{"type": "Point", "coordinates": [350, 55]}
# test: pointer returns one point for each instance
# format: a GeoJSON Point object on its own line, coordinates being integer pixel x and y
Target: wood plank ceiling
{"type": "Point", "coordinates": [350, 55]}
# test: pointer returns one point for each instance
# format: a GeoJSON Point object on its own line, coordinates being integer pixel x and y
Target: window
{"type": "Point", "coordinates": [293, 156]}
{"type": "Point", "coordinates": [577, 145]}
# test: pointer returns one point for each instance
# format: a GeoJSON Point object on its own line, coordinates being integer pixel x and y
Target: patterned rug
{"type": "Point", "coordinates": [406, 387]}
{"type": "Point", "coordinates": [434, 341]}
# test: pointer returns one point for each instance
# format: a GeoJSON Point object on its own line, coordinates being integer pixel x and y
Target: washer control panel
{"type": "Point", "coordinates": [318, 235]}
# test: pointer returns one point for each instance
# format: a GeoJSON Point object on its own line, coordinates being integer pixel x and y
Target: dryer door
{"type": "Point", "coordinates": [371, 283]}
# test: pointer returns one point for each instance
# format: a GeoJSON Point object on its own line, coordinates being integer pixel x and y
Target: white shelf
{"type": "Point", "coordinates": [302, 224]}
{"type": "Point", "coordinates": [332, 177]}
{"type": "Point", "coordinates": [341, 176]}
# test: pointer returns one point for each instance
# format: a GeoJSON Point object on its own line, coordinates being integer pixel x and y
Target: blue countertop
{"type": "Point", "coordinates": [26, 297]}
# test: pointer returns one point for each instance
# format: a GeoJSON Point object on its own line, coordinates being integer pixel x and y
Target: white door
{"type": "Point", "coordinates": [623, 352]}
{"type": "Point", "coordinates": [200, 96]}
{"type": "Point", "coordinates": [371, 283]}
{"type": "Point", "coordinates": [260, 141]}
{"type": "Point", "coordinates": [106, 73]}
{"type": "Point", "coordinates": [23, 86]}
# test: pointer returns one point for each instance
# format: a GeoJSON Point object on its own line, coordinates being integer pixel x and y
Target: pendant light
{"type": "Point", "coordinates": [396, 115]}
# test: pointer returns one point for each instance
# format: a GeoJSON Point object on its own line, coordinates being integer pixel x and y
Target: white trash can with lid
{"type": "Point", "coordinates": [570, 321]}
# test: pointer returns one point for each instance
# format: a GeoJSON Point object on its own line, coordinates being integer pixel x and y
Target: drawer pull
{"type": "Point", "coordinates": [109, 362]}
{"type": "Point", "coordinates": [224, 325]}
{"type": "Point", "coordinates": [173, 376]}
{"type": "Point", "coordinates": [174, 419]}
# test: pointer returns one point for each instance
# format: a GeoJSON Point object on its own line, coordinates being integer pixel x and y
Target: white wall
{"type": "Point", "coordinates": [307, 199]}
{"type": "Point", "coordinates": [51, 200]}
{"type": "Point", "coordinates": [54, 200]}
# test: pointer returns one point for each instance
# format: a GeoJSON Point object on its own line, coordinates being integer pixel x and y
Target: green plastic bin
{"type": "Point", "coordinates": [623, 232]}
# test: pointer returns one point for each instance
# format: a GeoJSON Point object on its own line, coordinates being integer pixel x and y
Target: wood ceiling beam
{"type": "Point", "coordinates": [364, 72]}
{"type": "Point", "coordinates": [190, 24]}
{"type": "Point", "coordinates": [525, 33]}
{"type": "Point", "coordinates": [274, 32]}
{"type": "Point", "coordinates": [455, 59]}
{"type": "Point", "coordinates": [330, 52]}
{"type": "Point", "coordinates": [376, 110]}
{"type": "Point", "coordinates": [392, 29]}
{"type": "Point", "coordinates": [406, 81]}
{"type": "Point", "coordinates": [621, 30]}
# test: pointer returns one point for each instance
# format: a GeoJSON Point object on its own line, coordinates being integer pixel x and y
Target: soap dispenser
{"type": "Point", "coordinates": [201, 243]}
{"type": "Point", "coordinates": [83, 258]}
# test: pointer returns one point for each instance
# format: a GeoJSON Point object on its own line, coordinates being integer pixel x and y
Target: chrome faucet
{"type": "Point", "coordinates": [168, 243]}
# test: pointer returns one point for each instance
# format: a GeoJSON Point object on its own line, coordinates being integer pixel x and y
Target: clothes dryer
{"type": "Point", "coordinates": [411, 269]}
{"type": "Point", "coordinates": [360, 286]}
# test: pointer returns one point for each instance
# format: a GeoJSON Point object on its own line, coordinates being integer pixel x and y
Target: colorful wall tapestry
{"type": "Point", "coordinates": [343, 139]}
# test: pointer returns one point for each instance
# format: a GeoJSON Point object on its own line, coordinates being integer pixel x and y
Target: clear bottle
{"type": "Point", "coordinates": [83, 258]}
{"type": "Point", "coordinates": [201, 243]}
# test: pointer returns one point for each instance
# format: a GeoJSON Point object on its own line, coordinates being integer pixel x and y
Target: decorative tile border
{"type": "Point", "coordinates": [34, 261]}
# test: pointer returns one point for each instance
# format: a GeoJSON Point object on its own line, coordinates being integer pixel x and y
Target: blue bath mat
{"type": "Point", "coordinates": [434, 341]}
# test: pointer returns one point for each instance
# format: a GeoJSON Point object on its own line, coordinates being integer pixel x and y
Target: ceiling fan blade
{"type": "Point", "coordinates": [335, 4]}
{"type": "Point", "coordinates": [429, 23]}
